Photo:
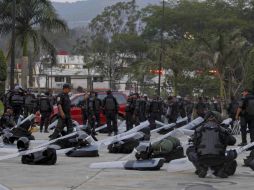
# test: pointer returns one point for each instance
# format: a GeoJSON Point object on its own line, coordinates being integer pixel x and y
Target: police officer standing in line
{"type": "Point", "coordinates": [129, 113]}
{"type": "Point", "coordinates": [209, 148]}
{"type": "Point", "coordinates": [110, 107]}
{"type": "Point", "coordinates": [172, 110]}
{"type": "Point", "coordinates": [246, 108]}
{"type": "Point", "coordinates": [200, 108]}
{"type": "Point", "coordinates": [91, 112]}
{"type": "Point", "coordinates": [64, 107]}
{"type": "Point", "coordinates": [45, 107]}
{"type": "Point", "coordinates": [30, 103]}
{"type": "Point", "coordinates": [155, 111]}
{"type": "Point", "coordinates": [140, 110]}
{"type": "Point", "coordinates": [83, 104]}
{"type": "Point", "coordinates": [97, 108]}
{"type": "Point", "coordinates": [136, 113]}
{"type": "Point", "coordinates": [16, 101]}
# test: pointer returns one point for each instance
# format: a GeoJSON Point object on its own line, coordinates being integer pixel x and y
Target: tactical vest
{"type": "Point", "coordinates": [17, 99]}
{"type": "Point", "coordinates": [90, 104]}
{"type": "Point", "coordinates": [29, 100]}
{"type": "Point", "coordinates": [210, 141]}
{"type": "Point", "coordinates": [155, 106]}
{"type": "Point", "coordinates": [110, 104]}
{"type": "Point", "coordinates": [97, 104]}
{"type": "Point", "coordinates": [45, 104]}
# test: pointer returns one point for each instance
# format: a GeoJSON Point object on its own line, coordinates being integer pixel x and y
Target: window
{"type": "Point", "coordinates": [68, 80]}
{"type": "Point", "coordinates": [59, 79]}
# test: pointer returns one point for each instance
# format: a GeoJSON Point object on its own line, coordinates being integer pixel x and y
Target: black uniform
{"type": "Point", "coordinates": [172, 111]}
{"type": "Point", "coordinates": [45, 107]}
{"type": "Point", "coordinates": [247, 119]}
{"type": "Point", "coordinates": [30, 102]}
{"type": "Point", "coordinates": [94, 106]}
{"type": "Point", "coordinates": [110, 106]}
{"type": "Point", "coordinates": [155, 111]}
{"type": "Point", "coordinates": [97, 108]}
{"type": "Point", "coordinates": [83, 104]}
{"type": "Point", "coordinates": [208, 151]}
{"type": "Point", "coordinates": [63, 100]}
{"type": "Point", "coordinates": [17, 101]}
{"type": "Point", "coordinates": [7, 121]}
{"type": "Point", "coordinates": [130, 107]}
{"type": "Point", "coordinates": [201, 109]}
{"type": "Point", "coordinates": [140, 112]}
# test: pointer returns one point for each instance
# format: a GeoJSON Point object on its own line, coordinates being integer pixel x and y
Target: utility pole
{"type": "Point", "coordinates": [162, 46]}
{"type": "Point", "coordinates": [13, 41]}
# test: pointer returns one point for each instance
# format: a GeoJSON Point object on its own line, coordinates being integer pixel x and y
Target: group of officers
{"type": "Point", "coordinates": [20, 102]}
{"type": "Point", "coordinates": [208, 144]}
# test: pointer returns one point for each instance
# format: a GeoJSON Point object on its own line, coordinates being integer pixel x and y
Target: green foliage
{"type": "Point", "coordinates": [197, 36]}
{"type": "Point", "coordinates": [3, 72]}
{"type": "Point", "coordinates": [35, 19]}
{"type": "Point", "coordinates": [3, 67]}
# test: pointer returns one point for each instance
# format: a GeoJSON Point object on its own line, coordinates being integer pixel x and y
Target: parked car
{"type": "Point", "coordinates": [76, 112]}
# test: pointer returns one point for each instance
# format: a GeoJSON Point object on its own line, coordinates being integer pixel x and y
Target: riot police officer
{"type": "Point", "coordinates": [45, 107]}
{"type": "Point", "coordinates": [210, 142]}
{"type": "Point", "coordinates": [140, 110]}
{"type": "Point", "coordinates": [7, 119]}
{"type": "Point", "coordinates": [155, 111]}
{"type": "Point", "coordinates": [172, 110]}
{"type": "Point", "coordinates": [110, 107]}
{"type": "Point", "coordinates": [64, 107]}
{"type": "Point", "coordinates": [93, 106]}
{"type": "Point", "coordinates": [30, 102]}
{"type": "Point", "coordinates": [83, 104]}
{"type": "Point", "coordinates": [247, 106]}
{"type": "Point", "coordinates": [97, 108]}
{"type": "Point", "coordinates": [17, 100]}
{"type": "Point", "coordinates": [129, 112]}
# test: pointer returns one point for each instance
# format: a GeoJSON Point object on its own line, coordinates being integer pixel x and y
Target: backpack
{"type": "Point", "coordinates": [45, 157]}
{"type": "Point", "coordinates": [169, 148]}
{"type": "Point", "coordinates": [45, 105]}
{"type": "Point", "coordinates": [250, 106]}
{"type": "Point", "coordinates": [210, 140]}
{"type": "Point", "coordinates": [110, 104]}
{"type": "Point", "coordinates": [126, 146]}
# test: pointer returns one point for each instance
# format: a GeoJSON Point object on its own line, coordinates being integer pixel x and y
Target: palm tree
{"type": "Point", "coordinates": [35, 19]}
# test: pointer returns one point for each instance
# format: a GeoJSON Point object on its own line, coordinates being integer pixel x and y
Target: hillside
{"type": "Point", "coordinates": [79, 14]}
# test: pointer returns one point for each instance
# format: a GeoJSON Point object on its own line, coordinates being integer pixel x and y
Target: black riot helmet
{"type": "Point", "coordinates": [23, 143]}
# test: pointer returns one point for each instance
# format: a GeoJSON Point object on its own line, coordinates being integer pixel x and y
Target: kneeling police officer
{"type": "Point", "coordinates": [209, 148]}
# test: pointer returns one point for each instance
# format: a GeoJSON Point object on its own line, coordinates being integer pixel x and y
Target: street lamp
{"type": "Point", "coordinates": [13, 40]}
{"type": "Point", "coordinates": [162, 46]}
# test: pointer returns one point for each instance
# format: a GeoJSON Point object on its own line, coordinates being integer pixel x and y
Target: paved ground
{"type": "Point", "coordinates": [74, 173]}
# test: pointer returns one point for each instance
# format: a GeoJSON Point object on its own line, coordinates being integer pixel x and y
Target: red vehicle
{"type": "Point", "coordinates": [76, 112]}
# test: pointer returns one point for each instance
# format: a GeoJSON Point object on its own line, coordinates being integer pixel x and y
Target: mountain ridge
{"type": "Point", "coordinates": [80, 13]}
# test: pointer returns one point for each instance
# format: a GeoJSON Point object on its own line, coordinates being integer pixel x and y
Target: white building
{"type": "Point", "coordinates": [69, 69]}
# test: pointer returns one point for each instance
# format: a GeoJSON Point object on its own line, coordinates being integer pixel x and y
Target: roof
{"type": "Point", "coordinates": [63, 52]}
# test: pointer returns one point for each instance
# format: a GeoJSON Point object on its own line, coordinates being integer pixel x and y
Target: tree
{"type": "Point", "coordinates": [3, 72]}
{"type": "Point", "coordinates": [34, 19]}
